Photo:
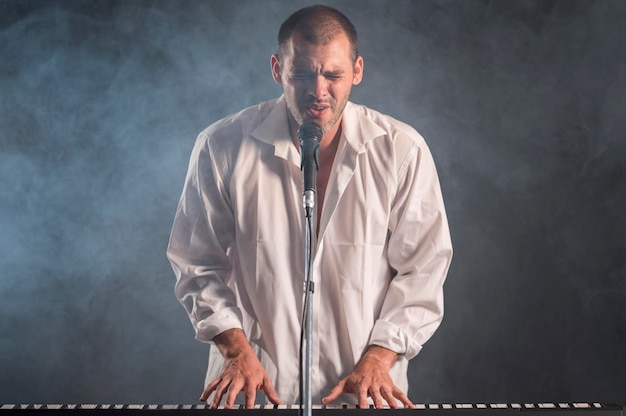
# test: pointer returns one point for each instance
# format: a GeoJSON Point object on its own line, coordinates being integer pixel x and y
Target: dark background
{"type": "Point", "coordinates": [522, 103]}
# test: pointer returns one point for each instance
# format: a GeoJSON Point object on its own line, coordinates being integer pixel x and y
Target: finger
{"type": "Point", "coordinates": [217, 398]}
{"type": "Point", "coordinates": [270, 392]}
{"type": "Point", "coordinates": [249, 396]}
{"type": "Point", "coordinates": [376, 397]}
{"type": "Point", "coordinates": [219, 393]}
{"type": "Point", "coordinates": [235, 387]}
{"type": "Point", "coordinates": [399, 394]}
{"type": "Point", "coordinates": [362, 397]}
{"type": "Point", "coordinates": [389, 397]}
{"type": "Point", "coordinates": [335, 392]}
{"type": "Point", "coordinates": [208, 390]}
{"type": "Point", "coordinates": [218, 386]}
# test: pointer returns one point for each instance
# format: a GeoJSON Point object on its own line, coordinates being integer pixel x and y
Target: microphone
{"type": "Point", "coordinates": [310, 135]}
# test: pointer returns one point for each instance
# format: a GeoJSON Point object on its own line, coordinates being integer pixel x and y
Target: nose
{"type": "Point", "coordinates": [318, 86]}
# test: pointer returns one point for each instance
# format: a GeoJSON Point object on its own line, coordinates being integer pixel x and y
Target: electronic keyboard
{"type": "Point", "coordinates": [493, 409]}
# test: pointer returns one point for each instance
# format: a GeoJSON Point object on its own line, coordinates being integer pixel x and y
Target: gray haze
{"type": "Point", "coordinates": [522, 103]}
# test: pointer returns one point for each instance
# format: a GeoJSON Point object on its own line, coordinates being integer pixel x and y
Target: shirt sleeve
{"type": "Point", "coordinates": [200, 243]}
{"type": "Point", "coordinates": [419, 253]}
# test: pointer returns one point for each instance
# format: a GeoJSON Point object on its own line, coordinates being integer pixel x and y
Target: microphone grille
{"type": "Point", "coordinates": [310, 130]}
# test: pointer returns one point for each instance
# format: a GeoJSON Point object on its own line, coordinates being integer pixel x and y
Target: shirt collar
{"type": "Point", "coordinates": [358, 129]}
{"type": "Point", "coordinates": [274, 130]}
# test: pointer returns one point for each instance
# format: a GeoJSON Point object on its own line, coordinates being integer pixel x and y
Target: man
{"type": "Point", "coordinates": [383, 246]}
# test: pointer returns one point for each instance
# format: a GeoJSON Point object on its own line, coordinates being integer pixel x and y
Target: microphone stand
{"type": "Point", "coordinates": [307, 319]}
{"type": "Point", "coordinates": [310, 135]}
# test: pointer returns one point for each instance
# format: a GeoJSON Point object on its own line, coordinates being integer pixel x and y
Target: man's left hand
{"type": "Point", "coordinates": [371, 378]}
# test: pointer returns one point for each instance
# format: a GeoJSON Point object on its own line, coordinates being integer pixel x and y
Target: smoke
{"type": "Point", "coordinates": [94, 147]}
{"type": "Point", "coordinates": [521, 103]}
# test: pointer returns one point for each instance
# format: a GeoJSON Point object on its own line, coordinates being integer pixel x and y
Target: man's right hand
{"type": "Point", "coordinates": [242, 372]}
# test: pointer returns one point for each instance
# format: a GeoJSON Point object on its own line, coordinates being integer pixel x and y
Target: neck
{"type": "Point", "coordinates": [329, 139]}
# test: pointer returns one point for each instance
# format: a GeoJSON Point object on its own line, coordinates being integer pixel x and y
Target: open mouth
{"type": "Point", "coordinates": [317, 110]}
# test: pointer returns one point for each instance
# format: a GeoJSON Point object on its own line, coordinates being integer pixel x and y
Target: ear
{"type": "Point", "coordinates": [276, 70]}
{"type": "Point", "coordinates": [358, 71]}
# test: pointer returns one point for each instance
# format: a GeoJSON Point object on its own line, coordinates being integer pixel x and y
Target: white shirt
{"type": "Point", "coordinates": [382, 254]}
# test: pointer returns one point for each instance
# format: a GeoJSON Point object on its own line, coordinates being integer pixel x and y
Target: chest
{"type": "Point", "coordinates": [352, 198]}
{"type": "Point", "coordinates": [326, 159]}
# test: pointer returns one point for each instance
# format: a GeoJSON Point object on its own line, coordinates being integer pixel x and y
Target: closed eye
{"type": "Point", "coordinates": [333, 75]}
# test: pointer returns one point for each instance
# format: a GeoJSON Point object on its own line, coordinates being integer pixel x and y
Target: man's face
{"type": "Point", "coordinates": [317, 79]}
